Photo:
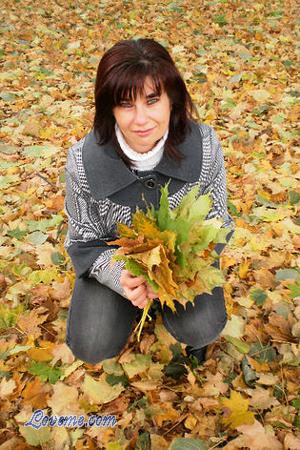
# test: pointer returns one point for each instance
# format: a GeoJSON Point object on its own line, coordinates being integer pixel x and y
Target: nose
{"type": "Point", "coordinates": [141, 117]}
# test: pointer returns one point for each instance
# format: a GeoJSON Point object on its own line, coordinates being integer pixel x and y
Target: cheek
{"type": "Point", "coordinates": [122, 120]}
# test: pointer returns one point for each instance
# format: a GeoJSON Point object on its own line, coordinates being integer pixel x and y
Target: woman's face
{"type": "Point", "coordinates": [150, 113]}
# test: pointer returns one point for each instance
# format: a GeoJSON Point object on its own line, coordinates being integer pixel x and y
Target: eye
{"type": "Point", "coordinates": [153, 100]}
{"type": "Point", "coordinates": [125, 105]}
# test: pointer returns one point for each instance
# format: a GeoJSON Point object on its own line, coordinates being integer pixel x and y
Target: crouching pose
{"type": "Point", "coordinates": [144, 135]}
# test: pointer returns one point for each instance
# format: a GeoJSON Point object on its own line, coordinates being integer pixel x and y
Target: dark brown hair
{"type": "Point", "coordinates": [121, 74]}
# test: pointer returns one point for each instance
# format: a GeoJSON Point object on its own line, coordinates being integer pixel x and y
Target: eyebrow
{"type": "Point", "coordinates": [153, 94]}
{"type": "Point", "coordinates": [149, 96]}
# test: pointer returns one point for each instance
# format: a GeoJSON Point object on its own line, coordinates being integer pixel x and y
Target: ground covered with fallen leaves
{"type": "Point", "coordinates": [239, 61]}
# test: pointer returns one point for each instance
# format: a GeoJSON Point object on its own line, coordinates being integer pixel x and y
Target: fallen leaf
{"type": "Point", "coordinates": [100, 391]}
{"type": "Point", "coordinates": [236, 411]}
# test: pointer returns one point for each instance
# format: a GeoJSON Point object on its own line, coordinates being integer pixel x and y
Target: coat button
{"type": "Point", "coordinates": [151, 183]}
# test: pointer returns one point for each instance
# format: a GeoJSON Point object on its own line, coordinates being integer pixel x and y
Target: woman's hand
{"type": "Point", "coordinates": [136, 289]}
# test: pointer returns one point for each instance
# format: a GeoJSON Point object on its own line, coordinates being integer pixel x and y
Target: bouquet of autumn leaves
{"type": "Point", "coordinates": [173, 249]}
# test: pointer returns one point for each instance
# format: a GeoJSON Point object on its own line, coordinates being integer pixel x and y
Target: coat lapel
{"type": "Point", "coordinates": [107, 173]}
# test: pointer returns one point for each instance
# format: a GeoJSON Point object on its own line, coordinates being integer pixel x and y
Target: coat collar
{"type": "Point", "coordinates": [107, 173]}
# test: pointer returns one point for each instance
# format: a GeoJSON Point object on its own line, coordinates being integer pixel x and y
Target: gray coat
{"type": "Point", "coordinates": [101, 191]}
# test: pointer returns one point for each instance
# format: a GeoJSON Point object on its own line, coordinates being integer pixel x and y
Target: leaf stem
{"type": "Point", "coordinates": [140, 325]}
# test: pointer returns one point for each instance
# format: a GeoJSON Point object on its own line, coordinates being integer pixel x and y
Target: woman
{"type": "Point", "coordinates": [144, 135]}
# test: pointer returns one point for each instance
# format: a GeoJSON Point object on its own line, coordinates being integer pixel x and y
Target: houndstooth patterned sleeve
{"type": "Point", "coordinates": [90, 225]}
{"type": "Point", "coordinates": [215, 180]}
{"type": "Point", "coordinates": [103, 271]}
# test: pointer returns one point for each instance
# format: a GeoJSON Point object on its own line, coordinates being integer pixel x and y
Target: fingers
{"type": "Point", "coordinates": [129, 280]}
{"type": "Point", "coordinates": [136, 289]}
{"type": "Point", "coordinates": [150, 293]}
{"type": "Point", "coordinates": [137, 296]}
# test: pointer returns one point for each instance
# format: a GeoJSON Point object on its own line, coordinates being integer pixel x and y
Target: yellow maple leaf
{"type": "Point", "coordinates": [145, 226]}
{"type": "Point", "coordinates": [236, 411]}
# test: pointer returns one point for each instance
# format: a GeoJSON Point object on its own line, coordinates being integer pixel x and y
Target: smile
{"type": "Point", "coordinates": [144, 133]}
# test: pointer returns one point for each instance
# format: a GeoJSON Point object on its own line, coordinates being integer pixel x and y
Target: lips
{"type": "Point", "coordinates": [144, 132]}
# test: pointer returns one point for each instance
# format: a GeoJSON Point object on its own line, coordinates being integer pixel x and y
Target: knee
{"type": "Point", "coordinates": [90, 353]}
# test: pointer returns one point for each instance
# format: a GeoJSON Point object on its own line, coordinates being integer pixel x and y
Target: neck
{"type": "Point", "coordinates": [142, 161]}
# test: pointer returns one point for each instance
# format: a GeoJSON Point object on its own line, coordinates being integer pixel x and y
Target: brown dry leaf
{"type": "Point", "coordinates": [262, 398]}
{"type": "Point", "coordinates": [165, 412]}
{"type": "Point", "coordinates": [146, 385]}
{"type": "Point", "coordinates": [61, 438]}
{"type": "Point", "coordinates": [274, 259]}
{"type": "Point", "coordinates": [102, 435]}
{"type": "Point", "coordinates": [61, 291]}
{"type": "Point", "coordinates": [279, 328]}
{"type": "Point", "coordinates": [64, 400]}
{"type": "Point", "coordinates": [291, 442]}
{"type": "Point", "coordinates": [32, 128]}
{"type": "Point", "coordinates": [167, 395]}
{"type": "Point", "coordinates": [117, 406]}
{"type": "Point", "coordinates": [44, 254]}
{"type": "Point", "coordinates": [35, 393]}
{"type": "Point", "coordinates": [7, 387]}
{"type": "Point", "coordinates": [243, 269]}
{"type": "Point", "coordinates": [265, 278]}
{"type": "Point", "coordinates": [214, 386]}
{"type": "Point", "coordinates": [256, 437]}
{"type": "Point", "coordinates": [29, 323]}
{"type": "Point", "coordinates": [158, 442]}
{"type": "Point", "coordinates": [56, 203]}
{"type": "Point", "coordinates": [146, 342]}
{"type": "Point", "coordinates": [63, 353]}
{"type": "Point", "coordinates": [258, 366]}
{"type": "Point", "coordinates": [42, 353]}
{"type": "Point", "coordinates": [267, 379]}
{"type": "Point", "coordinates": [190, 422]}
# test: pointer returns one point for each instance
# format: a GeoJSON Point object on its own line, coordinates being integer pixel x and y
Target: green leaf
{"type": "Point", "coordinates": [35, 437]}
{"type": "Point", "coordinates": [296, 421]}
{"type": "Point", "coordinates": [57, 258]}
{"type": "Point", "coordinates": [248, 373]}
{"type": "Point", "coordinates": [16, 233]}
{"type": "Point", "coordinates": [296, 402]}
{"type": "Point", "coordinates": [117, 379]}
{"type": "Point", "coordinates": [163, 216]}
{"type": "Point", "coordinates": [294, 197]}
{"type": "Point", "coordinates": [101, 391]}
{"type": "Point", "coordinates": [143, 442]}
{"type": "Point", "coordinates": [175, 370]}
{"type": "Point", "coordinates": [294, 289]}
{"type": "Point", "coordinates": [188, 444]}
{"type": "Point", "coordinates": [279, 392]}
{"type": "Point", "coordinates": [40, 151]}
{"type": "Point", "coordinates": [258, 295]}
{"type": "Point", "coordinates": [19, 348]}
{"type": "Point", "coordinates": [114, 446]}
{"type": "Point", "coordinates": [139, 364]}
{"type": "Point", "coordinates": [6, 180]}
{"type": "Point", "coordinates": [134, 267]}
{"type": "Point", "coordinates": [242, 347]}
{"type": "Point", "coordinates": [37, 238]}
{"type": "Point", "coordinates": [44, 224]}
{"type": "Point", "coordinates": [220, 20]}
{"type": "Point", "coordinates": [9, 316]}
{"type": "Point", "coordinates": [286, 274]}
{"type": "Point", "coordinates": [45, 372]}
{"type": "Point", "coordinates": [45, 276]}
{"type": "Point", "coordinates": [262, 353]}
{"type": "Point", "coordinates": [111, 366]}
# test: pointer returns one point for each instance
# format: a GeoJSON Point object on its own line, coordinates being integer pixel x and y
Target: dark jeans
{"type": "Point", "coordinates": [100, 321]}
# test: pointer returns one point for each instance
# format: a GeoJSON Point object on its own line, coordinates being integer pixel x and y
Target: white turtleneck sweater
{"type": "Point", "coordinates": [142, 161]}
